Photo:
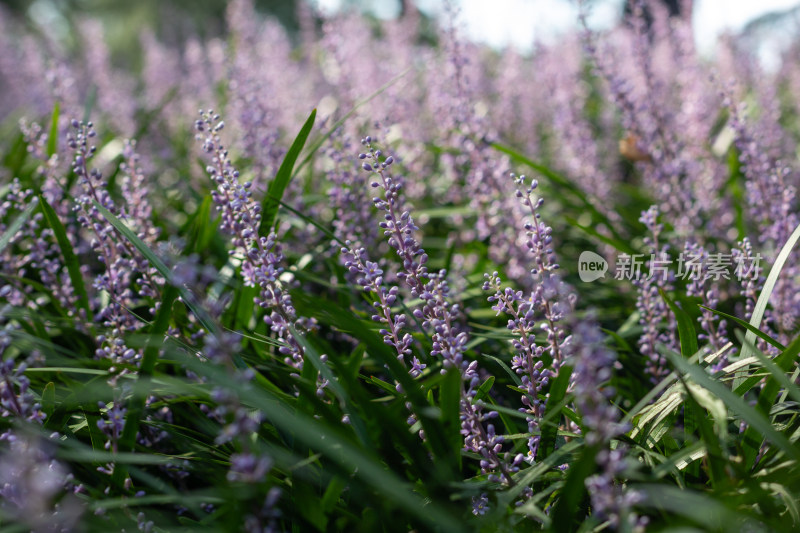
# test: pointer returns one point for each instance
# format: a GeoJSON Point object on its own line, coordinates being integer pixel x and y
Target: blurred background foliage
{"type": "Point", "coordinates": [174, 21]}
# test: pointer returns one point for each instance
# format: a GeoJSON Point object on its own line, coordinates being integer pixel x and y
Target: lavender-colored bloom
{"type": "Point", "coordinates": [123, 264]}
{"type": "Point", "coordinates": [31, 481]}
{"type": "Point", "coordinates": [16, 399]}
{"type": "Point", "coordinates": [713, 327]}
{"type": "Point", "coordinates": [112, 423]}
{"type": "Point", "coordinates": [253, 92]}
{"type": "Point", "coordinates": [266, 520]}
{"type": "Point", "coordinates": [549, 299]}
{"type": "Point", "coordinates": [248, 468]}
{"type": "Point", "coordinates": [436, 313]}
{"type": "Point", "coordinates": [370, 278]}
{"type": "Point", "coordinates": [480, 504]}
{"type": "Point", "coordinates": [662, 91]}
{"type": "Point", "coordinates": [611, 501]}
{"type": "Point", "coordinates": [772, 197]}
{"type": "Point", "coordinates": [262, 256]}
{"type": "Point", "coordinates": [600, 422]}
{"type": "Point", "coordinates": [352, 217]}
{"type": "Point", "coordinates": [751, 280]}
{"type": "Point", "coordinates": [653, 310]}
{"type": "Point", "coordinates": [593, 365]}
{"type": "Point", "coordinates": [143, 524]}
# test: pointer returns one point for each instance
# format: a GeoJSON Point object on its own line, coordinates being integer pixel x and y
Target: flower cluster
{"type": "Point", "coordinates": [217, 404]}
{"type": "Point", "coordinates": [655, 317]}
{"type": "Point", "coordinates": [437, 314]}
{"type": "Point", "coordinates": [549, 299]}
{"type": "Point", "coordinates": [261, 256]}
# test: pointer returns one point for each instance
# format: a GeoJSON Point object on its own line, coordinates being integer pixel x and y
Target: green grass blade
{"type": "Point", "coordinates": [272, 200]}
{"type": "Point", "coordinates": [736, 404]}
{"type": "Point", "coordinates": [654, 392]}
{"type": "Point", "coordinates": [557, 391]}
{"type": "Point", "coordinates": [567, 512]}
{"type": "Point", "coordinates": [52, 139]}
{"type": "Point", "coordinates": [688, 341]}
{"type": "Point", "coordinates": [327, 312]}
{"type": "Point", "coordinates": [484, 389]}
{"type": "Point", "coordinates": [159, 265]}
{"type": "Point", "coordinates": [763, 300]}
{"type": "Point", "coordinates": [778, 369]}
{"type": "Point", "coordinates": [449, 402]}
{"type": "Point", "coordinates": [561, 182]}
{"type": "Point", "coordinates": [524, 478]}
{"type": "Point", "coordinates": [136, 407]}
{"type": "Point", "coordinates": [16, 226]}
{"type": "Point", "coordinates": [692, 505]}
{"type": "Point", "coordinates": [358, 462]}
{"type": "Point", "coordinates": [711, 440]}
{"type": "Point", "coordinates": [686, 331]}
{"type": "Point", "coordinates": [49, 399]}
{"type": "Point", "coordinates": [317, 143]}
{"type": "Point", "coordinates": [769, 393]}
{"type": "Point", "coordinates": [68, 253]}
{"type": "Point", "coordinates": [749, 327]}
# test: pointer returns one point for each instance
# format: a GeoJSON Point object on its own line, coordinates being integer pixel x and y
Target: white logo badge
{"type": "Point", "coordinates": [591, 266]}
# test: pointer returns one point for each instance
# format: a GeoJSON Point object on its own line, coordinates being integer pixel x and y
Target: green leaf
{"type": "Point", "coordinates": [695, 398]}
{"type": "Point", "coordinates": [757, 332]}
{"type": "Point", "coordinates": [315, 145]}
{"type": "Point", "coordinates": [688, 341]}
{"type": "Point", "coordinates": [16, 226]}
{"type": "Point", "coordinates": [735, 186]}
{"type": "Point", "coordinates": [736, 404]}
{"type": "Point", "coordinates": [484, 389]}
{"type": "Point", "coordinates": [159, 265]}
{"type": "Point", "coordinates": [653, 393]}
{"type": "Point", "coordinates": [198, 228]}
{"type": "Point", "coordinates": [52, 139]}
{"type": "Point", "coordinates": [686, 331]}
{"type": "Point", "coordinates": [332, 493]}
{"type": "Point", "coordinates": [272, 200]}
{"type": "Point", "coordinates": [769, 393]}
{"type": "Point", "coordinates": [779, 380]}
{"type": "Point", "coordinates": [763, 300]}
{"type": "Point", "coordinates": [695, 506]}
{"type": "Point", "coordinates": [619, 242]}
{"type": "Point", "coordinates": [525, 478]}
{"type": "Point", "coordinates": [358, 462]}
{"type": "Point", "coordinates": [558, 389]}
{"type": "Point", "coordinates": [49, 399]}
{"type": "Point", "coordinates": [14, 159]}
{"type": "Point", "coordinates": [311, 355]}
{"type": "Point", "coordinates": [449, 403]}
{"type": "Point", "coordinates": [149, 359]}
{"type": "Point", "coordinates": [327, 312]}
{"type": "Point", "coordinates": [68, 253]}
{"type": "Point", "coordinates": [383, 385]}
{"type": "Point", "coordinates": [567, 512]}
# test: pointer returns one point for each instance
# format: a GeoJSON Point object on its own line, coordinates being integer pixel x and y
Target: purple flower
{"type": "Point", "coordinates": [656, 319]}
{"type": "Point", "coordinates": [370, 278]}
{"type": "Point", "coordinates": [248, 468]}
{"type": "Point", "coordinates": [31, 484]}
{"type": "Point", "coordinates": [549, 299]}
{"type": "Point", "coordinates": [436, 313]}
{"type": "Point", "coordinates": [261, 256]}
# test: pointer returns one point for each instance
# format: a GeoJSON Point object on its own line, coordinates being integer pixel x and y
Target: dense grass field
{"type": "Point", "coordinates": [387, 279]}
